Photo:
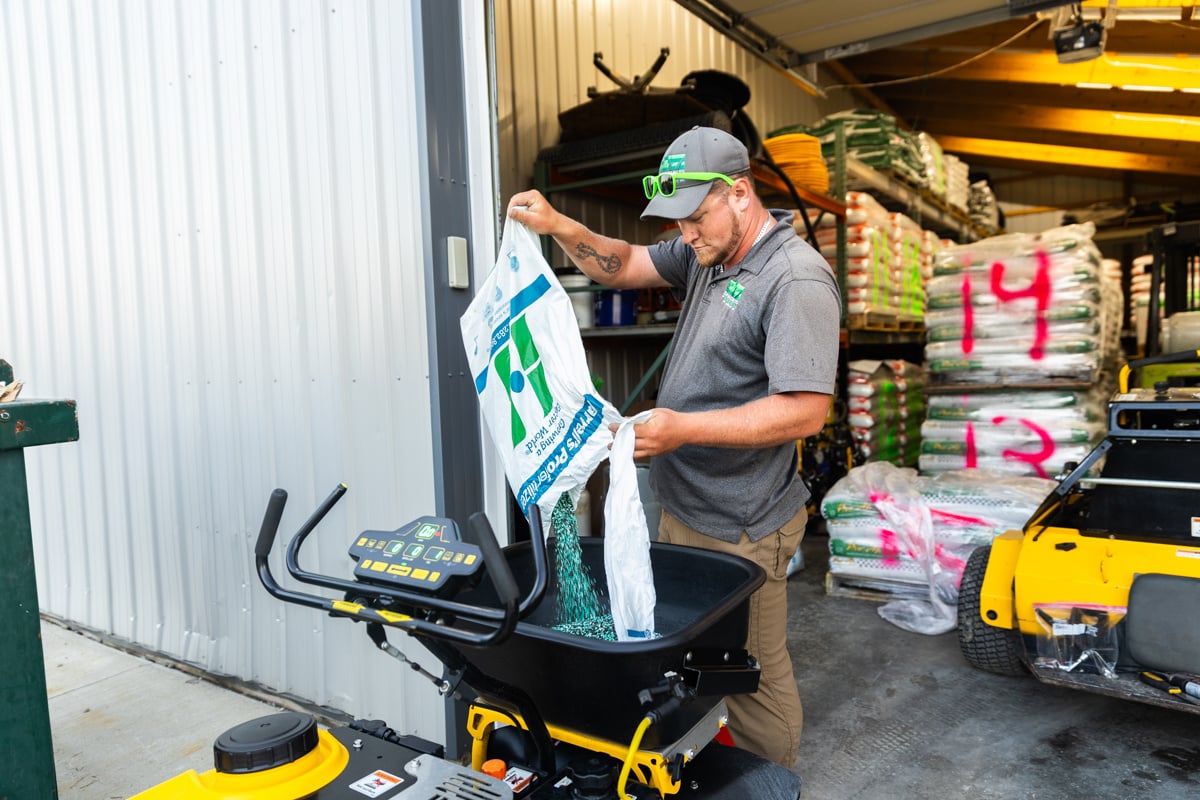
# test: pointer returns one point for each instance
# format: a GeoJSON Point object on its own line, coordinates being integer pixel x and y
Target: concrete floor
{"type": "Point", "coordinates": [894, 714]}
{"type": "Point", "coordinates": [889, 715]}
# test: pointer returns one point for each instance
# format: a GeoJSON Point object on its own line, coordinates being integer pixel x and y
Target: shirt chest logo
{"type": "Point", "coordinates": [733, 294]}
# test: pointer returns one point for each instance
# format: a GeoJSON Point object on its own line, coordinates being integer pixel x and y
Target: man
{"type": "Point", "coordinates": [752, 370]}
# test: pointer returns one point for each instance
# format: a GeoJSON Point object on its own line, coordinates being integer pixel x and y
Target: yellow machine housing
{"type": "Point", "coordinates": [1130, 510]}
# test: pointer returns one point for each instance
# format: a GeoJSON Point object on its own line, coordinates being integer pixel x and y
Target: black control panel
{"type": "Point", "coordinates": [426, 555]}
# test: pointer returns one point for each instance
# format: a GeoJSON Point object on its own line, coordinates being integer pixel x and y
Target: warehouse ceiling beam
{"type": "Point", "coordinates": [921, 99]}
{"type": "Point", "coordinates": [1023, 152]}
{"type": "Point", "coordinates": [1074, 121]}
{"type": "Point", "coordinates": [1128, 36]}
{"type": "Point", "coordinates": [1110, 70]}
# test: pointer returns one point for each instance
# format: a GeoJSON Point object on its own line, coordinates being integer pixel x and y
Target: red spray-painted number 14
{"type": "Point", "coordinates": [1039, 290]}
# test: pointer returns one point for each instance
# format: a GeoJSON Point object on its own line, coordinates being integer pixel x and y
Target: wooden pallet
{"type": "Point", "coordinates": [885, 321]}
{"type": "Point", "coordinates": [877, 589]}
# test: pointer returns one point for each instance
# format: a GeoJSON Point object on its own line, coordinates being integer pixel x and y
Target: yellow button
{"type": "Point", "coordinates": [434, 577]}
{"type": "Point", "coordinates": [366, 564]}
{"type": "Point", "coordinates": [379, 566]}
{"type": "Point", "coordinates": [403, 571]}
{"type": "Point", "coordinates": [394, 569]}
{"type": "Point", "coordinates": [458, 557]}
{"type": "Point", "coordinates": [470, 560]}
{"type": "Point", "coordinates": [420, 574]}
{"type": "Point", "coordinates": [362, 541]}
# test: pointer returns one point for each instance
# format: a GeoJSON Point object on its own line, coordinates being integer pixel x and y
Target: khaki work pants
{"type": "Point", "coordinates": [769, 721]}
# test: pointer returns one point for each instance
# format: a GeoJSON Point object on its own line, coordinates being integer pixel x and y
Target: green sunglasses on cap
{"type": "Point", "coordinates": [666, 183]}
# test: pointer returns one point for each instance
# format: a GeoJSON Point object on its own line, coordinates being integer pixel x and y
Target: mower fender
{"type": "Point", "coordinates": [996, 598]}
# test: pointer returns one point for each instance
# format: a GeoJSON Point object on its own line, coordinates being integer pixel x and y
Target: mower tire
{"type": "Point", "coordinates": [985, 647]}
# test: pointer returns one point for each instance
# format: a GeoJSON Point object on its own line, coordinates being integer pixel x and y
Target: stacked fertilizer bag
{"type": "Point", "coordinates": [872, 137]}
{"type": "Point", "coordinates": [886, 405]}
{"type": "Point", "coordinates": [934, 161]}
{"type": "Point", "coordinates": [889, 257]}
{"type": "Point", "coordinates": [870, 285]}
{"type": "Point", "coordinates": [910, 535]}
{"type": "Point", "coordinates": [910, 255]}
{"type": "Point", "coordinates": [1139, 296]}
{"type": "Point", "coordinates": [1027, 432]}
{"type": "Point", "coordinates": [1034, 311]}
{"type": "Point", "coordinates": [982, 207]}
{"type": "Point", "coordinates": [958, 183]}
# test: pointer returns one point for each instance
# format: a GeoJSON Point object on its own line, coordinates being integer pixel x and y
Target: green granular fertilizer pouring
{"type": "Point", "coordinates": [578, 609]}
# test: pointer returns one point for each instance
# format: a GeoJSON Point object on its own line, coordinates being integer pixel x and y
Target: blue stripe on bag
{"type": "Point", "coordinates": [585, 423]}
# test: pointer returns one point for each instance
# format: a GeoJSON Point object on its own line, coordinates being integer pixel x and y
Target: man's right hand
{"type": "Point", "coordinates": [534, 211]}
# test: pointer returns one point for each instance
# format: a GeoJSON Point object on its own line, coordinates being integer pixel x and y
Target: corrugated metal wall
{"type": "Point", "coordinates": [544, 53]}
{"type": "Point", "coordinates": [211, 238]}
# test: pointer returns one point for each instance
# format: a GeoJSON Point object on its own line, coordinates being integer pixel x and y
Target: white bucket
{"type": "Point", "coordinates": [583, 302]}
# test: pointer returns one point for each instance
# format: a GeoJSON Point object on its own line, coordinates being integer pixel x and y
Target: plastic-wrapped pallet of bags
{"type": "Point", "coordinates": [545, 418]}
{"type": "Point", "coordinates": [888, 523]}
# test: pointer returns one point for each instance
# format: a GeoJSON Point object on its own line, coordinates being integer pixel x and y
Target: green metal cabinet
{"type": "Point", "coordinates": [26, 750]}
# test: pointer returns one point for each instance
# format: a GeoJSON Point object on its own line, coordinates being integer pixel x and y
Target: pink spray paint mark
{"type": "Point", "coordinates": [957, 519]}
{"type": "Point", "coordinates": [972, 453]}
{"type": "Point", "coordinates": [1039, 290]}
{"type": "Point", "coordinates": [1033, 459]}
{"type": "Point", "coordinates": [888, 546]}
{"type": "Point", "coordinates": [968, 338]}
{"type": "Point", "coordinates": [947, 560]}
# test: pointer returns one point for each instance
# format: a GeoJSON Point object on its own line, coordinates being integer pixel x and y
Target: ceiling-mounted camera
{"type": "Point", "coordinates": [1074, 39]}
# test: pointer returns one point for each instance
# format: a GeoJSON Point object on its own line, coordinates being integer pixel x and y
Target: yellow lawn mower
{"type": "Point", "coordinates": [1099, 590]}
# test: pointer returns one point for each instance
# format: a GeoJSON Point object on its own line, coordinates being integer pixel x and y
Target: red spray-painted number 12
{"type": "Point", "coordinates": [1034, 460]}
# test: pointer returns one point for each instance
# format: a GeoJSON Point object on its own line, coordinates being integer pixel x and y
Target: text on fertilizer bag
{"type": "Point", "coordinates": [585, 423]}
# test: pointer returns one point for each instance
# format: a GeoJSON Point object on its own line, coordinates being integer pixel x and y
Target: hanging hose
{"type": "Point", "coordinates": [800, 207]}
{"type": "Point", "coordinates": [634, 746]}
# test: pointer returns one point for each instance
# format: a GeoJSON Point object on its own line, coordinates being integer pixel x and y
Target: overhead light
{"type": "Point", "coordinates": [1093, 85]}
{"type": "Point", "coordinates": [1080, 41]}
{"type": "Point", "coordinates": [1137, 88]}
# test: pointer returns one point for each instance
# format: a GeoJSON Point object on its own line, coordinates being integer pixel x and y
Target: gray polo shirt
{"type": "Point", "coordinates": [766, 326]}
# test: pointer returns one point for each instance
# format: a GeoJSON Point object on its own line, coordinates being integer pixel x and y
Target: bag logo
{"type": "Point", "coordinates": [525, 372]}
{"type": "Point", "coordinates": [531, 374]}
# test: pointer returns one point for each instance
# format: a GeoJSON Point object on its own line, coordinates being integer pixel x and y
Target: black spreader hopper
{"type": "Point", "coordinates": [595, 687]}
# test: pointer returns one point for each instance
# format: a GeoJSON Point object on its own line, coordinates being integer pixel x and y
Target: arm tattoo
{"type": "Point", "coordinates": [610, 263]}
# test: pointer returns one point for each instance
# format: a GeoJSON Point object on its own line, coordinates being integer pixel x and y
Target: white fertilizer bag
{"type": "Point", "coordinates": [627, 541]}
{"type": "Point", "coordinates": [543, 414]}
{"type": "Point", "coordinates": [531, 375]}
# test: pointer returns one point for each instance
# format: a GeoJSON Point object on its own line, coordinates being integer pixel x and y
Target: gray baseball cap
{"type": "Point", "coordinates": [697, 151]}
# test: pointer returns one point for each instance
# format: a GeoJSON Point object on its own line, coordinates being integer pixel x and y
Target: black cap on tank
{"type": "Point", "coordinates": [266, 742]}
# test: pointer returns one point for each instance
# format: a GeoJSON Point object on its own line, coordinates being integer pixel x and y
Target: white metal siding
{"type": "Point", "coordinates": [211, 237]}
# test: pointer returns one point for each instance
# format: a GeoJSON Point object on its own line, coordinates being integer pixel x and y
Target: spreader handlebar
{"type": "Point", "coordinates": [496, 623]}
